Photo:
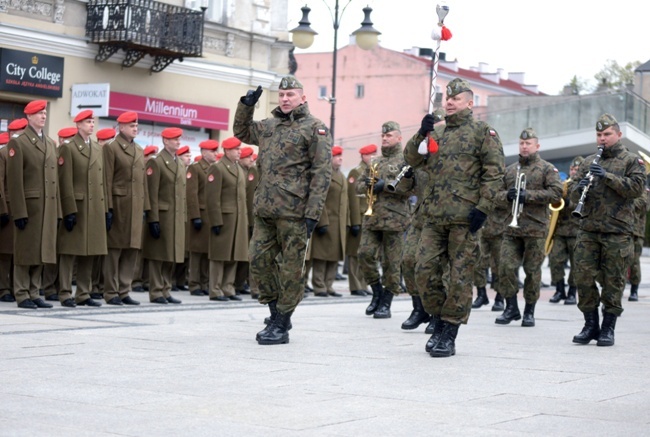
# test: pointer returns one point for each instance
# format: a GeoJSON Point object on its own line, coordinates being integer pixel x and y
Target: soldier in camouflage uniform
{"type": "Point", "coordinates": [641, 208]}
{"type": "Point", "coordinates": [295, 172]}
{"type": "Point", "coordinates": [383, 231]}
{"type": "Point", "coordinates": [604, 244]}
{"type": "Point", "coordinates": [466, 162]}
{"type": "Point", "coordinates": [564, 241]}
{"type": "Point", "coordinates": [525, 243]}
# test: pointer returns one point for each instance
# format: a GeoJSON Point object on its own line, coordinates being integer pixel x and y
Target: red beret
{"type": "Point", "coordinates": [254, 156]}
{"type": "Point", "coordinates": [68, 132]}
{"type": "Point", "coordinates": [230, 143]}
{"type": "Point", "coordinates": [337, 150]}
{"type": "Point", "coordinates": [246, 152]}
{"type": "Point", "coordinates": [128, 117]}
{"type": "Point", "coordinates": [370, 148]}
{"type": "Point", "coordinates": [197, 158]}
{"type": "Point", "coordinates": [172, 132]}
{"type": "Point", "coordinates": [219, 156]}
{"type": "Point", "coordinates": [17, 124]}
{"type": "Point", "coordinates": [183, 150]}
{"type": "Point", "coordinates": [83, 115]}
{"type": "Point", "coordinates": [150, 150]}
{"type": "Point", "coordinates": [35, 106]}
{"type": "Point", "coordinates": [106, 134]}
{"type": "Point", "coordinates": [4, 138]}
{"type": "Point", "coordinates": [209, 144]}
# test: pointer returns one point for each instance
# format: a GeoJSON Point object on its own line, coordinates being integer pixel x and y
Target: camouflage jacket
{"type": "Point", "coordinates": [641, 207]}
{"type": "Point", "coordinates": [567, 225]}
{"type": "Point", "coordinates": [358, 203]}
{"type": "Point", "coordinates": [497, 222]}
{"type": "Point", "coordinates": [295, 152]}
{"type": "Point", "coordinates": [543, 187]}
{"type": "Point", "coordinates": [466, 172]}
{"type": "Point", "coordinates": [609, 206]}
{"type": "Point", "coordinates": [390, 211]}
{"type": "Point", "coordinates": [421, 182]}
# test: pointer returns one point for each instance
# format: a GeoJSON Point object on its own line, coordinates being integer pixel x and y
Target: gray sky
{"type": "Point", "coordinates": [550, 40]}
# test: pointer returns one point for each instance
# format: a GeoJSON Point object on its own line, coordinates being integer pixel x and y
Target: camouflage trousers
{"type": "Point", "coordinates": [635, 267]}
{"type": "Point", "coordinates": [516, 251]}
{"type": "Point", "coordinates": [605, 255]}
{"type": "Point", "coordinates": [561, 252]}
{"type": "Point", "coordinates": [450, 248]}
{"type": "Point", "coordinates": [372, 244]}
{"type": "Point", "coordinates": [490, 252]}
{"type": "Point", "coordinates": [279, 278]}
{"type": "Point", "coordinates": [409, 257]}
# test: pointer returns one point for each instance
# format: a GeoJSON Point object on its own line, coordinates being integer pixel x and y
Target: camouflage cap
{"type": "Point", "coordinates": [439, 115]}
{"type": "Point", "coordinates": [527, 134]}
{"type": "Point", "coordinates": [390, 126]}
{"type": "Point", "coordinates": [290, 83]}
{"type": "Point", "coordinates": [605, 121]}
{"type": "Point", "coordinates": [457, 86]}
{"type": "Point", "coordinates": [577, 161]}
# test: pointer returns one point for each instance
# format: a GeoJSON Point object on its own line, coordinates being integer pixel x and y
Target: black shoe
{"type": "Point", "coordinates": [308, 289]}
{"type": "Point", "coordinates": [96, 296]}
{"type": "Point", "coordinates": [243, 291]}
{"type": "Point", "coordinates": [529, 315]}
{"type": "Point", "coordinates": [340, 277]}
{"type": "Point", "coordinates": [634, 294]}
{"type": "Point", "coordinates": [277, 332]}
{"type": "Point", "coordinates": [138, 288]}
{"type": "Point", "coordinates": [334, 294]}
{"type": "Point", "coordinates": [510, 313]}
{"type": "Point", "coordinates": [446, 347]}
{"type": "Point", "coordinates": [130, 301]}
{"type": "Point", "coordinates": [498, 303]}
{"type": "Point", "coordinates": [41, 303]}
{"type": "Point", "coordinates": [89, 302]}
{"type": "Point", "coordinates": [52, 297]}
{"type": "Point", "coordinates": [173, 300]}
{"type": "Point", "coordinates": [321, 294]}
{"type": "Point", "coordinates": [418, 315]}
{"type": "Point", "coordinates": [196, 293]}
{"type": "Point", "coordinates": [174, 288]}
{"type": "Point", "coordinates": [430, 327]}
{"type": "Point", "coordinates": [606, 337]}
{"type": "Point", "coordinates": [571, 297]}
{"type": "Point", "coordinates": [161, 300]}
{"type": "Point", "coordinates": [182, 288]}
{"type": "Point", "coordinates": [115, 301]}
{"type": "Point", "coordinates": [560, 293]}
{"type": "Point", "coordinates": [27, 303]}
{"type": "Point", "coordinates": [437, 325]}
{"type": "Point", "coordinates": [69, 302]}
{"type": "Point", "coordinates": [481, 298]}
{"type": "Point", "coordinates": [377, 291]}
{"type": "Point", "coordinates": [234, 297]}
{"type": "Point", "coordinates": [383, 311]}
{"type": "Point", "coordinates": [7, 298]}
{"type": "Point", "coordinates": [255, 296]}
{"type": "Point", "coordinates": [220, 298]}
{"type": "Point", "coordinates": [358, 293]}
{"type": "Point", "coordinates": [591, 330]}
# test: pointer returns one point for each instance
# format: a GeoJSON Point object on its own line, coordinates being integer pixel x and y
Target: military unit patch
{"type": "Point", "coordinates": [149, 171]}
{"type": "Point", "coordinates": [189, 175]}
{"type": "Point", "coordinates": [211, 178]}
{"type": "Point", "coordinates": [641, 162]}
{"type": "Point", "coordinates": [251, 177]}
{"type": "Point", "coordinates": [351, 179]}
{"type": "Point", "coordinates": [12, 152]}
{"type": "Point", "coordinates": [322, 131]}
{"type": "Point", "coordinates": [492, 132]}
{"type": "Point", "coordinates": [61, 160]}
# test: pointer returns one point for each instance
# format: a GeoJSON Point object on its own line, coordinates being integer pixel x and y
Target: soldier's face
{"type": "Point", "coordinates": [367, 158]}
{"type": "Point", "coordinates": [391, 138]}
{"type": "Point", "coordinates": [129, 130]}
{"type": "Point", "coordinates": [608, 137]}
{"type": "Point", "coordinates": [233, 154]}
{"type": "Point", "coordinates": [86, 127]}
{"type": "Point", "coordinates": [528, 147]}
{"type": "Point", "coordinates": [458, 103]}
{"type": "Point", "coordinates": [336, 162]}
{"type": "Point", "coordinates": [573, 171]}
{"type": "Point", "coordinates": [186, 158]}
{"type": "Point", "coordinates": [210, 156]}
{"type": "Point", "coordinates": [290, 99]}
{"type": "Point", "coordinates": [246, 162]}
{"type": "Point", "coordinates": [37, 121]}
{"type": "Point", "coordinates": [172, 144]}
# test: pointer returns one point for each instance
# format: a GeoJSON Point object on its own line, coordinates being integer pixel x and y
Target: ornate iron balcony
{"type": "Point", "coordinates": [145, 27]}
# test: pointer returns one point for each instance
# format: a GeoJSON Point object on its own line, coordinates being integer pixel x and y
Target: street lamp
{"type": "Point", "coordinates": [366, 37]}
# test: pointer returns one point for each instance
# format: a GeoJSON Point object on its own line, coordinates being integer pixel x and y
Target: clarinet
{"type": "Point", "coordinates": [581, 203]}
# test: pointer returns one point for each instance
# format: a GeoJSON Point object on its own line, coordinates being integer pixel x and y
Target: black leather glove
{"type": "Point", "coordinates": [370, 182]}
{"type": "Point", "coordinates": [321, 230]}
{"type": "Point", "coordinates": [597, 170]}
{"type": "Point", "coordinates": [109, 219]}
{"type": "Point", "coordinates": [379, 186]}
{"type": "Point", "coordinates": [216, 230]}
{"type": "Point", "coordinates": [4, 220]}
{"type": "Point", "coordinates": [522, 196]}
{"type": "Point", "coordinates": [310, 224]}
{"type": "Point", "coordinates": [21, 223]}
{"type": "Point", "coordinates": [512, 193]}
{"type": "Point", "coordinates": [427, 125]}
{"type": "Point", "coordinates": [197, 223]}
{"type": "Point", "coordinates": [154, 230]}
{"type": "Point", "coordinates": [476, 219]}
{"type": "Point", "coordinates": [583, 183]}
{"type": "Point", "coordinates": [409, 173]}
{"type": "Point", "coordinates": [251, 96]}
{"type": "Point", "coordinates": [69, 221]}
{"type": "Point", "coordinates": [355, 230]}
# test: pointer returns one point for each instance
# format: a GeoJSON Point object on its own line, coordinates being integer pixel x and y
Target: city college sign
{"type": "Point", "coordinates": [31, 73]}
{"type": "Point", "coordinates": [168, 111]}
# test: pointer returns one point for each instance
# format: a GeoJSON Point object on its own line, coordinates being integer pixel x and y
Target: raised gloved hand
{"type": "Point", "coordinates": [379, 186]}
{"type": "Point", "coordinates": [197, 223]}
{"type": "Point", "coordinates": [310, 224]}
{"type": "Point", "coordinates": [109, 220]}
{"type": "Point", "coordinates": [4, 220]}
{"type": "Point", "coordinates": [427, 125]}
{"type": "Point", "coordinates": [21, 223]}
{"type": "Point", "coordinates": [154, 230]}
{"type": "Point", "coordinates": [216, 230]}
{"type": "Point", "coordinates": [522, 196]}
{"type": "Point", "coordinates": [512, 193]}
{"type": "Point", "coordinates": [597, 170]}
{"type": "Point", "coordinates": [321, 230]}
{"type": "Point", "coordinates": [476, 219]}
{"type": "Point", "coordinates": [251, 96]}
{"type": "Point", "coordinates": [69, 221]}
{"type": "Point", "coordinates": [409, 173]}
{"type": "Point", "coordinates": [355, 230]}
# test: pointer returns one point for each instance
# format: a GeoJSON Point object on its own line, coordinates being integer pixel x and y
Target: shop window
{"type": "Point", "coordinates": [216, 10]}
{"type": "Point", "coordinates": [322, 92]}
{"type": "Point", "coordinates": [359, 91]}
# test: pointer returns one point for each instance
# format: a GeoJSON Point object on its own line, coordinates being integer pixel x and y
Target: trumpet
{"type": "Point", "coordinates": [555, 215]}
{"type": "Point", "coordinates": [371, 190]}
{"type": "Point", "coordinates": [391, 187]}
{"type": "Point", "coordinates": [581, 203]}
{"type": "Point", "coordinates": [517, 206]}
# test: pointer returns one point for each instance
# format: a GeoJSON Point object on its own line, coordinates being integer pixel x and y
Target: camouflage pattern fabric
{"type": "Point", "coordinates": [389, 244]}
{"type": "Point", "coordinates": [561, 252]}
{"type": "Point", "coordinates": [635, 267]}
{"type": "Point", "coordinates": [641, 206]}
{"type": "Point", "coordinates": [516, 251]}
{"type": "Point", "coordinates": [490, 249]}
{"type": "Point", "coordinates": [409, 257]}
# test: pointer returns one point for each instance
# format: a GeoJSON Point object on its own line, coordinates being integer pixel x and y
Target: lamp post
{"type": "Point", "coordinates": [366, 37]}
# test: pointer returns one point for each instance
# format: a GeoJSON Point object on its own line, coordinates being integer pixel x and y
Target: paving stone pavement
{"type": "Point", "coordinates": [195, 369]}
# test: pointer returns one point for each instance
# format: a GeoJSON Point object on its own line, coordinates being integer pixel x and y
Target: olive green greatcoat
{"type": "Point", "coordinates": [34, 194]}
{"type": "Point", "coordinates": [6, 233]}
{"type": "Point", "coordinates": [226, 197]}
{"type": "Point", "coordinates": [357, 206]}
{"type": "Point", "coordinates": [81, 182]}
{"type": "Point", "coordinates": [126, 192]}
{"type": "Point", "coordinates": [197, 174]}
{"type": "Point", "coordinates": [166, 178]}
{"type": "Point", "coordinates": [331, 246]}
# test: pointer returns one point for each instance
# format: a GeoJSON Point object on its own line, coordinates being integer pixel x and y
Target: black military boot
{"type": "Point", "coordinates": [383, 311]}
{"type": "Point", "coordinates": [571, 297]}
{"type": "Point", "coordinates": [377, 291]}
{"type": "Point", "coordinates": [498, 303]}
{"type": "Point", "coordinates": [418, 315]}
{"type": "Point", "coordinates": [436, 332]}
{"type": "Point", "coordinates": [634, 293]}
{"type": "Point", "coordinates": [446, 347]}
{"type": "Point", "coordinates": [510, 313]}
{"type": "Point", "coordinates": [481, 298]}
{"type": "Point", "coordinates": [278, 331]}
{"type": "Point", "coordinates": [606, 337]}
{"type": "Point", "coordinates": [271, 318]}
{"type": "Point", "coordinates": [591, 330]}
{"type": "Point", "coordinates": [560, 294]}
{"type": "Point", "coordinates": [529, 315]}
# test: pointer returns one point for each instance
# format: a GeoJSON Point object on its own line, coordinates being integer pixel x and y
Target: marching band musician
{"type": "Point", "coordinates": [641, 208]}
{"type": "Point", "coordinates": [604, 244]}
{"type": "Point", "coordinates": [539, 185]}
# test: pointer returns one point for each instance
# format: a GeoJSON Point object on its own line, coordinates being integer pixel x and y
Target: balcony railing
{"type": "Point", "coordinates": [145, 27]}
